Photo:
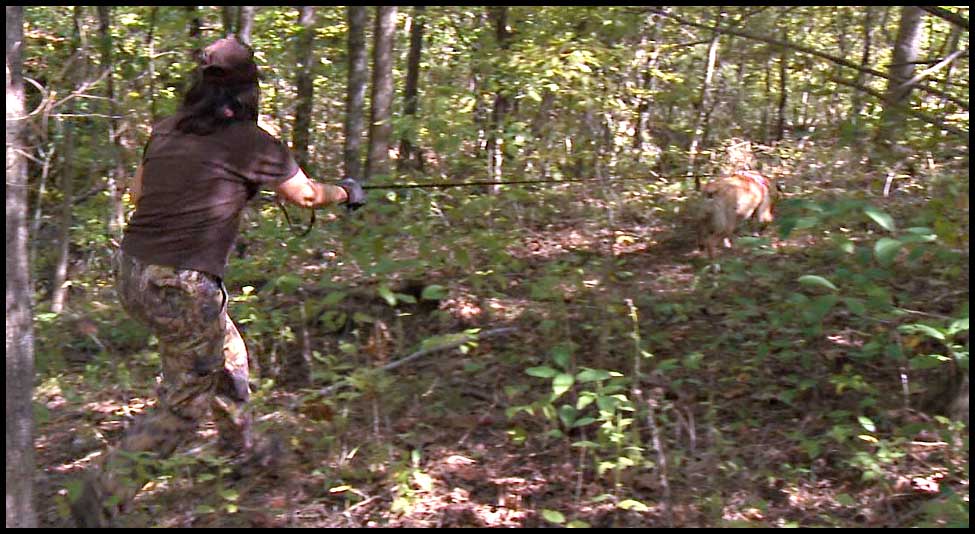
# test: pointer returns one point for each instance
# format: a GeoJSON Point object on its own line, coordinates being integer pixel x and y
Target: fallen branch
{"type": "Point", "coordinates": [466, 338]}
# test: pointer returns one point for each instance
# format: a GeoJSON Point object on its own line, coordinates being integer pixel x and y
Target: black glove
{"type": "Point", "coordinates": [357, 197]}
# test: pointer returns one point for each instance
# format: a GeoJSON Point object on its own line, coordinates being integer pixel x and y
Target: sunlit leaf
{"type": "Point", "coordinates": [813, 280]}
{"type": "Point", "coordinates": [630, 504]}
{"type": "Point", "coordinates": [387, 295]}
{"type": "Point", "coordinates": [561, 383]}
{"type": "Point", "coordinates": [880, 217]}
{"type": "Point", "coordinates": [867, 423]}
{"type": "Point", "coordinates": [923, 329]}
{"type": "Point", "coordinates": [553, 516]}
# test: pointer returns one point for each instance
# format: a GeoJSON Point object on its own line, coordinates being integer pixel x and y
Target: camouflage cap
{"type": "Point", "coordinates": [228, 61]}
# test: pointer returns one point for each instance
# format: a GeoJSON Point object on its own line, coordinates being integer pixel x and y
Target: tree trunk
{"type": "Point", "coordinates": [739, 91]}
{"type": "Point", "coordinates": [380, 124]}
{"type": "Point", "coordinates": [495, 140]}
{"type": "Point", "coordinates": [195, 27]}
{"type": "Point", "coordinates": [408, 156]}
{"type": "Point", "coordinates": [151, 47]}
{"type": "Point", "coordinates": [245, 23]}
{"type": "Point", "coordinates": [783, 94]}
{"type": "Point", "coordinates": [703, 106]}
{"type": "Point", "coordinates": [355, 99]}
{"type": "Point", "coordinates": [766, 109]}
{"type": "Point", "coordinates": [856, 108]}
{"type": "Point", "coordinates": [58, 290]}
{"type": "Point", "coordinates": [844, 43]}
{"type": "Point", "coordinates": [303, 111]}
{"type": "Point", "coordinates": [19, 473]}
{"type": "Point", "coordinates": [477, 80]}
{"type": "Point", "coordinates": [901, 70]}
{"type": "Point", "coordinates": [116, 173]}
{"type": "Point", "coordinates": [644, 113]}
{"type": "Point", "coordinates": [953, 39]}
{"type": "Point", "coordinates": [228, 15]}
{"type": "Point", "coordinates": [46, 154]}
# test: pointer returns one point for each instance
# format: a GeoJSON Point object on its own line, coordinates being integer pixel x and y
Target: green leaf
{"type": "Point", "coordinates": [928, 361]}
{"type": "Point", "coordinates": [387, 294]}
{"type": "Point", "coordinates": [817, 308]}
{"type": "Point", "coordinates": [560, 384]}
{"type": "Point", "coordinates": [360, 317]}
{"type": "Point", "coordinates": [957, 326]}
{"type": "Point", "coordinates": [584, 422]}
{"type": "Point", "coordinates": [434, 292]}
{"type": "Point", "coordinates": [693, 360]}
{"type": "Point", "coordinates": [333, 298]}
{"type": "Point", "coordinates": [567, 413]}
{"type": "Point", "coordinates": [915, 328]}
{"type": "Point", "coordinates": [630, 504]}
{"type": "Point", "coordinates": [553, 517]}
{"type": "Point", "coordinates": [886, 249]}
{"type": "Point", "coordinates": [924, 232]}
{"type": "Point", "coordinates": [816, 280]}
{"type": "Point", "coordinates": [287, 283]}
{"type": "Point", "coordinates": [541, 372]}
{"type": "Point", "coordinates": [845, 499]}
{"type": "Point", "coordinates": [591, 375]}
{"type": "Point", "coordinates": [562, 355]}
{"type": "Point", "coordinates": [402, 297]}
{"type": "Point", "coordinates": [882, 218]}
{"type": "Point", "coordinates": [856, 306]}
{"type": "Point", "coordinates": [576, 523]}
{"type": "Point", "coordinates": [867, 423]}
{"type": "Point", "coordinates": [607, 403]}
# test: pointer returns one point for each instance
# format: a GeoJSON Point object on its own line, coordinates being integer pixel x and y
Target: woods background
{"type": "Point", "coordinates": [818, 378]}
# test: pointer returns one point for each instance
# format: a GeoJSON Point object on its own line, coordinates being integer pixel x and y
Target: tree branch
{"type": "Point", "coordinates": [944, 14]}
{"type": "Point", "coordinates": [807, 50]}
{"type": "Point", "coordinates": [924, 117]}
{"type": "Point", "coordinates": [931, 70]}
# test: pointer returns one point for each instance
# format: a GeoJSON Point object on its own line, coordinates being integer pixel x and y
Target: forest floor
{"type": "Point", "coordinates": [740, 418]}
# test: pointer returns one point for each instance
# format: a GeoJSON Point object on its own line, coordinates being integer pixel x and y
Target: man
{"type": "Point", "coordinates": [199, 169]}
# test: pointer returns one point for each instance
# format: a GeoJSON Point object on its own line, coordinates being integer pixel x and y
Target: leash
{"type": "Point", "coordinates": [291, 225]}
{"type": "Point", "coordinates": [311, 222]}
{"type": "Point", "coordinates": [510, 182]}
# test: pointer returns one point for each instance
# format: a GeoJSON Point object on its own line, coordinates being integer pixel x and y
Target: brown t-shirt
{"type": "Point", "coordinates": [194, 188]}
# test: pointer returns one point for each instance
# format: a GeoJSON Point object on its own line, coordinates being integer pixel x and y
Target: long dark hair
{"type": "Point", "coordinates": [209, 106]}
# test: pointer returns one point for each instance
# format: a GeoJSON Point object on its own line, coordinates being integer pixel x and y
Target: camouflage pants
{"type": "Point", "coordinates": [204, 364]}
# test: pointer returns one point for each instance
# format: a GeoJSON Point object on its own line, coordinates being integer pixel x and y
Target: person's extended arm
{"type": "Point", "coordinates": [307, 193]}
